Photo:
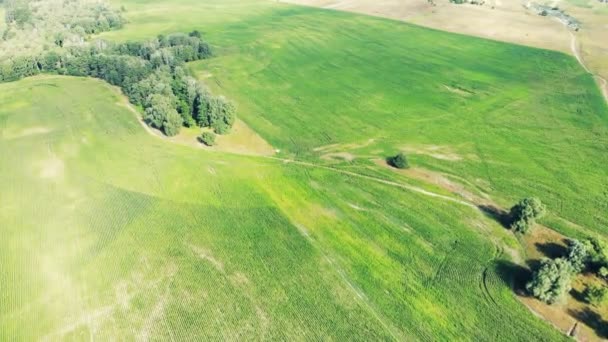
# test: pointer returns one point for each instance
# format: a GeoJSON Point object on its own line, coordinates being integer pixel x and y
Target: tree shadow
{"type": "Point", "coordinates": [533, 264]}
{"type": "Point", "coordinates": [514, 275]}
{"type": "Point", "coordinates": [551, 250]}
{"type": "Point", "coordinates": [578, 295]}
{"type": "Point", "coordinates": [591, 319]}
{"type": "Point", "coordinates": [499, 215]}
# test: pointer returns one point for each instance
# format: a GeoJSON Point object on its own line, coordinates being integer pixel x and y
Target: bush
{"type": "Point", "coordinates": [525, 213]}
{"type": "Point", "coordinates": [207, 138]}
{"type": "Point", "coordinates": [551, 281]}
{"type": "Point", "coordinates": [598, 254]}
{"type": "Point", "coordinates": [595, 295]}
{"type": "Point", "coordinates": [399, 161]}
{"type": "Point", "coordinates": [577, 255]}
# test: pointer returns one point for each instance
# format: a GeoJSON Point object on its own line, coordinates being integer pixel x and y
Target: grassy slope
{"type": "Point", "coordinates": [110, 232]}
{"type": "Point", "coordinates": [535, 124]}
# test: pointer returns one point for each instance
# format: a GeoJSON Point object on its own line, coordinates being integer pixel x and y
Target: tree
{"type": "Point", "coordinates": [595, 295]}
{"type": "Point", "coordinates": [525, 213]}
{"type": "Point", "coordinates": [399, 161]}
{"type": "Point", "coordinates": [577, 255]}
{"type": "Point", "coordinates": [207, 138]}
{"type": "Point", "coordinates": [173, 123]}
{"type": "Point", "coordinates": [223, 116]}
{"type": "Point", "coordinates": [598, 253]}
{"type": "Point", "coordinates": [158, 110]}
{"type": "Point", "coordinates": [551, 281]}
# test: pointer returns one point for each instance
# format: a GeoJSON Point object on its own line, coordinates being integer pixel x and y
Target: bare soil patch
{"type": "Point", "coordinates": [437, 152]}
{"type": "Point", "coordinates": [26, 132]}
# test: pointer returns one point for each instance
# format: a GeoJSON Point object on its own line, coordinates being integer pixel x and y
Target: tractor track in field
{"type": "Point", "coordinates": [125, 103]}
{"type": "Point", "coordinates": [377, 180]}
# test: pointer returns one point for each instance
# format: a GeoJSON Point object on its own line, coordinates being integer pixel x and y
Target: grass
{"type": "Point", "coordinates": [526, 122]}
{"type": "Point", "coordinates": [108, 231]}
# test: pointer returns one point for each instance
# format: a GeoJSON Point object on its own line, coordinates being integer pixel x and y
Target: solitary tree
{"type": "Point", "coordinates": [525, 213]}
{"type": "Point", "coordinates": [399, 161]}
{"type": "Point", "coordinates": [551, 281]}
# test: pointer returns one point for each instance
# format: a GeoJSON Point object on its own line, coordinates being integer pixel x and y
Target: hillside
{"type": "Point", "coordinates": [112, 231]}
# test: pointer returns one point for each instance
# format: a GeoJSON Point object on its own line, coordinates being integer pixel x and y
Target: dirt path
{"type": "Point", "coordinates": [379, 180]}
{"type": "Point", "coordinates": [125, 103]}
{"type": "Point", "coordinates": [602, 83]}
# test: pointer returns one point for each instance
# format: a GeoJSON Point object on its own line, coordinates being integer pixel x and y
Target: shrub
{"type": "Point", "coordinates": [577, 255]}
{"type": "Point", "coordinates": [598, 254]}
{"type": "Point", "coordinates": [595, 295]}
{"type": "Point", "coordinates": [551, 281]}
{"type": "Point", "coordinates": [207, 138]}
{"type": "Point", "coordinates": [399, 161]}
{"type": "Point", "coordinates": [525, 213]}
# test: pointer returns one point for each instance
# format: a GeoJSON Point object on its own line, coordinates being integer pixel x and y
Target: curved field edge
{"type": "Point", "coordinates": [110, 232]}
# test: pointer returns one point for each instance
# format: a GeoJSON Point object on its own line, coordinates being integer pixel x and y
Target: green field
{"type": "Point", "coordinates": [521, 121]}
{"type": "Point", "coordinates": [111, 233]}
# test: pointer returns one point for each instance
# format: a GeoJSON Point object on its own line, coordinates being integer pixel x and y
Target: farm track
{"type": "Point", "coordinates": [602, 83]}
{"type": "Point", "coordinates": [125, 103]}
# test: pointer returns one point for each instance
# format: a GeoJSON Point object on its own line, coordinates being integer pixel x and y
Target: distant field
{"type": "Point", "coordinates": [108, 231]}
{"type": "Point", "coordinates": [516, 121]}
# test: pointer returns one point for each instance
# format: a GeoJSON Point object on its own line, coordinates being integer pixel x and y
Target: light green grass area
{"type": "Point", "coordinates": [109, 232]}
{"type": "Point", "coordinates": [516, 121]}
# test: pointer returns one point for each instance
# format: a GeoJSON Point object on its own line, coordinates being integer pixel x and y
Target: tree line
{"type": "Point", "coordinates": [152, 74]}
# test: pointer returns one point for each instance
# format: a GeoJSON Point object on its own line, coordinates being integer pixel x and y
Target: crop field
{"type": "Point", "coordinates": [109, 232]}
{"type": "Point", "coordinates": [514, 121]}
{"type": "Point", "coordinates": [100, 240]}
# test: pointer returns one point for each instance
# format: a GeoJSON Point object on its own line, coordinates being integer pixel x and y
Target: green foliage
{"type": "Point", "coordinates": [215, 112]}
{"type": "Point", "coordinates": [597, 254]}
{"type": "Point", "coordinates": [525, 213]}
{"type": "Point", "coordinates": [207, 138]}
{"type": "Point", "coordinates": [595, 294]}
{"type": "Point", "coordinates": [173, 123]}
{"type": "Point", "coordinates": [399, 161]}
{"type": "Point", "coordinates": [158, 110]}
{"type": "Point", "coordinates": [551, 281]}
{"type": "Point", "coordinates": [577, 255]}
{"type": "Point", "coordinates": [146, 72]}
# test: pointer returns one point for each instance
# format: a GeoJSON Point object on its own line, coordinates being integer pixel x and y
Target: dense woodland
{"type": "Point", "coordinates": [31, 27]}
{"type": "Point", "coordinates": [151, 73]}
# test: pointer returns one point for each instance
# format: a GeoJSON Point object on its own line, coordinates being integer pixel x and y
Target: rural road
{"type": "Point", "coordinates": [602, 83]}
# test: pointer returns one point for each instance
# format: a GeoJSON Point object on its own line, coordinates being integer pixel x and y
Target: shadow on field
{"type": "Point", "coordinates": [578, 295]}
{"type": "Point", "coordinates": [551, 250]}
{"type": "Point", "coordinates": [514, 275]}
{"type": "Point", "coordinates": [591, 319]}
{"type": "Point", "coordinates": [499, 215]}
